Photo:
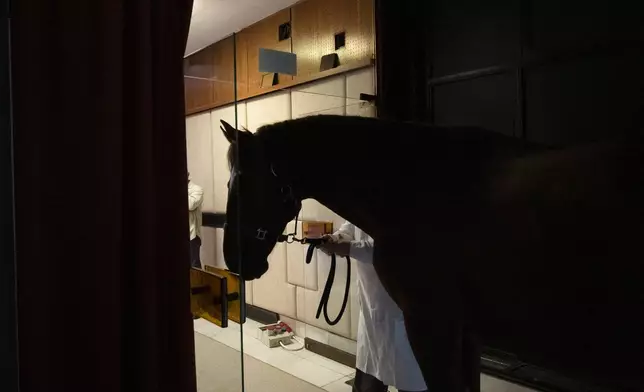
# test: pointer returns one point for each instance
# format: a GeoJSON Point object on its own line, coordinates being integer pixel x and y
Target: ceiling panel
{"type": "Point", "coordinates": [213, 20]}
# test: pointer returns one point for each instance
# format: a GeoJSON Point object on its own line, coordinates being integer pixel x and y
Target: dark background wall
{"type": "Point", "coordinates": [8, 338]}
{"type": "Point", "coordinates": [554, 72]}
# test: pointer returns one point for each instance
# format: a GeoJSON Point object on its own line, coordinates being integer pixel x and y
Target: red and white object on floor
{"type": "Point", "coordinates": [273, 334]}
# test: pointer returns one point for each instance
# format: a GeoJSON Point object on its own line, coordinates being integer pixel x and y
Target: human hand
{"type": "Point", "coordinates": [333, 244]}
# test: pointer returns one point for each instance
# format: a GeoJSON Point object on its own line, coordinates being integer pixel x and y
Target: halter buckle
{"type": "Point", "coordinates": [261, 234]}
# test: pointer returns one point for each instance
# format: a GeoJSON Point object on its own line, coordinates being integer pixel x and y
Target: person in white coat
{"type": "Point", "coordinates": [195, 200]}
{"type": "Point", "coordinates": [384, 356]}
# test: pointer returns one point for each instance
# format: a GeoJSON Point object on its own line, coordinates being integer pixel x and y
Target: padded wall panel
{"type": "Point", "coordinates": [249, 293]}
{"type": "Point", "coordinates": [326, 96]}
{"type": "Point", "coordinates": [208, 251]}
{"type": "Point", "coordinates": [268, 109]}
{"type": "Point", "coordinates": [199, 154]}
{"type": "Point", "coordinates": [272, 291]}
{"type": "Point", "coordinates": [298, 272]}
{"type": "Point", "coordinates": [220, 149]}
{"type": "Point", "coordinates": [308, 300]}
{"type": "Point", "coordinates": [357, 82]}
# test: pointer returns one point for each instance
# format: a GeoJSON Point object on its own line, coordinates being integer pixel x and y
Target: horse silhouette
{"type": "Point", "coordinates": [480, 238]}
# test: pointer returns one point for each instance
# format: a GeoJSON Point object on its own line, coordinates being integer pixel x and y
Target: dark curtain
{"type": "Point", "coordinates": [8, 347]}
{"type": "Point", "coordinates": [101, 196]}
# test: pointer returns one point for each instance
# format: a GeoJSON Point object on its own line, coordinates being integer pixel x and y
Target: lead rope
{"type": "Point", "coordinates": [326, 293]}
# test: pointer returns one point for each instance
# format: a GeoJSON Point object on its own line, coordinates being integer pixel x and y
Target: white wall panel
{"type": "Point", "coordinates": [360, 81]}
{"type": "Point", "coordinates": [272, 291]}
{"type": "Point", "coordinates": [199, 154]}
{"type": "Point", "coordinates": [268, 109]}
{"type": "Point", "coordinates": [308, 300]}
{"type": "Point", "coordinates": [298, 272]}
{"type": "Point", "coordinates": [208, 251]}
{"type": "Point", "coordinates": [249, 293]}
{"type": "Point", "coordinates": [323, 97]}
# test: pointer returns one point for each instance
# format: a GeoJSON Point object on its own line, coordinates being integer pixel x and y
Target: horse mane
{"type": "Point", "coordinates": [231, 153]}
{"type": "Point", "coordinates": [296, 132]}
{"type": "Point", "coordinates": [231, 156]}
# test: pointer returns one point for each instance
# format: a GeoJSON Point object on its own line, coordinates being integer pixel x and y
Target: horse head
{"type": "Point", "coordinates": [259, 205]}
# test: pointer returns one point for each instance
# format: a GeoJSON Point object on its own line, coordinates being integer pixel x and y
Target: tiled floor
{"type": "Point", "coordinates": [303, 364]}
{"type": "Point", "coordinates": [306, 365]}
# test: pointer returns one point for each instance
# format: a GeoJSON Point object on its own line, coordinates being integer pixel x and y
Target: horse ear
{"type": "Point", "coordinates": [229, 131]}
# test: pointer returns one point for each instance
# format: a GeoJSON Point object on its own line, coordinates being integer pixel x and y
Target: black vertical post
{"type": "Point", "coordinates": [8, 305]}
{"type": "Point", "coordinates": [525, 42]}
{"type": "Point", "coordinates": [402, 59]}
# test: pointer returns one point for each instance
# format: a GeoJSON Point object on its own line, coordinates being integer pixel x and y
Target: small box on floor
{"type": "Point", "coordinates": [273, 334]}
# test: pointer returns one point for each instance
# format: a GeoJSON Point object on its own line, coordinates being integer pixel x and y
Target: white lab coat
{"type": "Point", "coordinates": [383, 350]}
{"type": "Point", "coordinates": [195, 200]}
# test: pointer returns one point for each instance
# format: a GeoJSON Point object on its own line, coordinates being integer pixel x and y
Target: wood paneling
{"type": "Point", "coordinates": [315, 23]}
{"type": "Point", "coordinates": [264, 34]}
{"type": "Point", "coordinates": [295, 82]}
{"type": "Point", "coordinates": [242, 68]}
{"type": "Point", "coordinates": [198, 72]}
{"type": "Point", "coordinates": [224, 71]}
{"type": "Point", "coordinates": [209, 72]}
{"type": "Point", "coordinates": [208, 76]}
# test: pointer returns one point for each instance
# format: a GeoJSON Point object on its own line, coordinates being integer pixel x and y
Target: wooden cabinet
{"type": "Point", "coordinates": [198, 73]}
{"type": "Point", "coordinates": [209, 73]}
{"type": "Point", "coordinates": [208, 76]}
{"type": "Point", "coordinates": [315, 24]}
{"type": "Point", "coordinates": [264, 34]}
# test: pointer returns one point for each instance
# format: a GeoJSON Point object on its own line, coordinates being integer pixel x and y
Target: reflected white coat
{"type": "Point", "coordinates": [383, 349]}
{"type": "Point", "coordinates": [195, 201]}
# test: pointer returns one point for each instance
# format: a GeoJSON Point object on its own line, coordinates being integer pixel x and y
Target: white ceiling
{"type": "Point", "coordinates": [213, 20]}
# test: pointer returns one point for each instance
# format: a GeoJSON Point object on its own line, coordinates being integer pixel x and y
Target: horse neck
{"type": "Point", "coordinates": [336, 167]}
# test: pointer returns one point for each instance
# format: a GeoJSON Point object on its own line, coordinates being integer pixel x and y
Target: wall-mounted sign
{"type": "Point", "coordinates": [275, 61]}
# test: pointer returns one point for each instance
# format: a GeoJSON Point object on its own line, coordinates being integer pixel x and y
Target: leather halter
{"type": "Point", "coordinates": [262, 234]}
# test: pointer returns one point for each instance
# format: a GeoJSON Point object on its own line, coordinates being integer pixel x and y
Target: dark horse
{"type": "Point", "coordinates": [480, 238]}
